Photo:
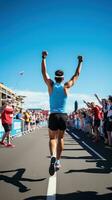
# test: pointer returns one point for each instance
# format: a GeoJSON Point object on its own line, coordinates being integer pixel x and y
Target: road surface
{"type": "Point", "coordinates": [86, 171]}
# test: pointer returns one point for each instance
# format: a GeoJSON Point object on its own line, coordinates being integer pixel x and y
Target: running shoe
{"type": "Point", "coordinates": [10, 145]}
{"type": "Point", "coordinates": [52, 166]}
{"type": "Point", "coordinates": [3, 143]}
{"type": "Point", "coordinates": [57, 165]}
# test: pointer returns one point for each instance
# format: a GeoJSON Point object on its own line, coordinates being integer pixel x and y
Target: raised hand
{"type": "Point", "coordinates": [95, 95]}
{"type": "Point", "coordinates": [84, 101]}
{"type": "Point", "coordinates": [80, 58]}
{"type": "Point", "coordinates": [44, 54]}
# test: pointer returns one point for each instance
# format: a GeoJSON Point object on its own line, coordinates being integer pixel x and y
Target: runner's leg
{"type": "Point", "coordinates": [52, 147]}
{"type": "Point", "coordinates": [53, 142]}
{"type": "Point", "coordinates": [60, 143]}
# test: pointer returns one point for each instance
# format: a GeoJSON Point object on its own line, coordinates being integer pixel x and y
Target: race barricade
{"type": "Point", "coordinates": [16, 128]}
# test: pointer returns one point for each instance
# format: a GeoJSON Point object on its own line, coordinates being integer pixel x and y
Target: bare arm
{"type": "Point", "coordinates": [46, 77]}
{"type": "Point", "coordinates": [87, 104]}
{"type": "Point", "coordinates": [98, 99]}
{"type": "Point", "coordinates": [71, 82]}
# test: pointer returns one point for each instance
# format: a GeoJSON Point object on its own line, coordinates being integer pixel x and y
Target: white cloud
{"type": "Point", "coordinates": [72, 97]}
{"type": "Point", "coordinates": [35, 99]}
{"type": "Point", "coordinates": [41, 99]}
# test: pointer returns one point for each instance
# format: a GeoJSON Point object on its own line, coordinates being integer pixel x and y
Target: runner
{"type": "Point", "coordinates": [7, 118]}
{"type": "Point", "coordinates": [58, 114]}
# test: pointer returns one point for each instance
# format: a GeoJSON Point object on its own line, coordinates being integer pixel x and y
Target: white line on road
{"type": "Point", "coordinates": [75, 135]}
{"type": "Point", "coordinates": [93, 151]}
{"type": "Point", "coordinates": [101, 157]}
{"type": "Point", "coordinates": [51, 190]}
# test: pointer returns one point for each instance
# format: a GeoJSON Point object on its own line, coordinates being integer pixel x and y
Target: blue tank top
{"type": "Point", "coordinates": [58, 99]}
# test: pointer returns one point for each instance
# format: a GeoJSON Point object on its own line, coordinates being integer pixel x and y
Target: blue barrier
{"type": "Point", "coordinates": [43, 123]}
{"type": "Point", "coordinates": [16, 128]}
{"type": "Point", "coordinates": [1, 129]}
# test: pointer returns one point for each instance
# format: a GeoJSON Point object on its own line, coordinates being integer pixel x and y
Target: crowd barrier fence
{"type": "Point", "coordinates": [76, 123]}
{"type": "Point", "coordinates": [16, 128]}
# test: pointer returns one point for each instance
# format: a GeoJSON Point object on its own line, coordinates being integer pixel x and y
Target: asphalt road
{"type": "Point", "coordinates": [86, 171]}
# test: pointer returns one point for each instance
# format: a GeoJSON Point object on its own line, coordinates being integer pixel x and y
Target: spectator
{"type": "Point", "coordinates": [109, 121]}
{"type": "Point", "coordinates": [32, 121]}
{"type": "Point", "coordinates": [7, 119]}
{"type": "Point", "coordinates": [20, 116]}
{"type": "Point", "coordinates": [104, 104]}
{"type": "Point", "coordinates": [27, 121]}
{"type": "Point", "coordinates": [88, 122]}
{"type": "Point", "coordinates": [97, 114]}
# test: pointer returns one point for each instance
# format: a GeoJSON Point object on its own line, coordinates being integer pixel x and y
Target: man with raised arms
{"type": "Point", "coordinates": [58, 114]}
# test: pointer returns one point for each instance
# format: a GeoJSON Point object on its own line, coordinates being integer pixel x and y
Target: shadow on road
{"type": "Point", "coordinates": [80, 149]}
{"type": "Point", "coordinates": [17, 178]}
{"type": "Point", "coordinates": [71, 144]}
{"type": "Point", "coordinates": [102, 167]}
{"type": "Point", "coordinates": [79, 195]}
{"type": "Point", "coordinates": [77, 157]}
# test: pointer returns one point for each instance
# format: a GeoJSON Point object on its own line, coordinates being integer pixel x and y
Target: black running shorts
{"type": "Point", "coordinates": [57, 121]}
{"type": "Point", "coordinates": [7, 127]}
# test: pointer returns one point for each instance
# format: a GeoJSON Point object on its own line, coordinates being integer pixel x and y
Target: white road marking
{"type": "Point", "coordinates": [51, 190]}
{"type": "Point", "coordinates": [101, 157]}
{"type": "Point", "coordinates": [75, 135]}
{"type": "Point", "coordinates": [93, 151]}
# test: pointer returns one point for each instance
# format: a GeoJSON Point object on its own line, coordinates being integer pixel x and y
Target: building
{"type": "Point", "coordinates": [6, 93]}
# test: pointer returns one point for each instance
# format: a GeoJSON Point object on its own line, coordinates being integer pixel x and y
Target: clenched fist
{"type": "Point", "coordinates": [44, 54]}
{"type": "Point", "coordinates": [80, 58]}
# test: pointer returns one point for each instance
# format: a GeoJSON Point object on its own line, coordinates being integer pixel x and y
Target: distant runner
{"type": "Point", "coordinates": [58, 114]}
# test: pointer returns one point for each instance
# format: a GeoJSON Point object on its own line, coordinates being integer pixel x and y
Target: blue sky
{"type": "Point", "coordinates": [65, 28]}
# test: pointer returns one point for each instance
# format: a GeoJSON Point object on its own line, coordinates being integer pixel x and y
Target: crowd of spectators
{"type": "Point", "coordinates": [94, 120]}
{"type": "Point", "coordinates": [30, 119]}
